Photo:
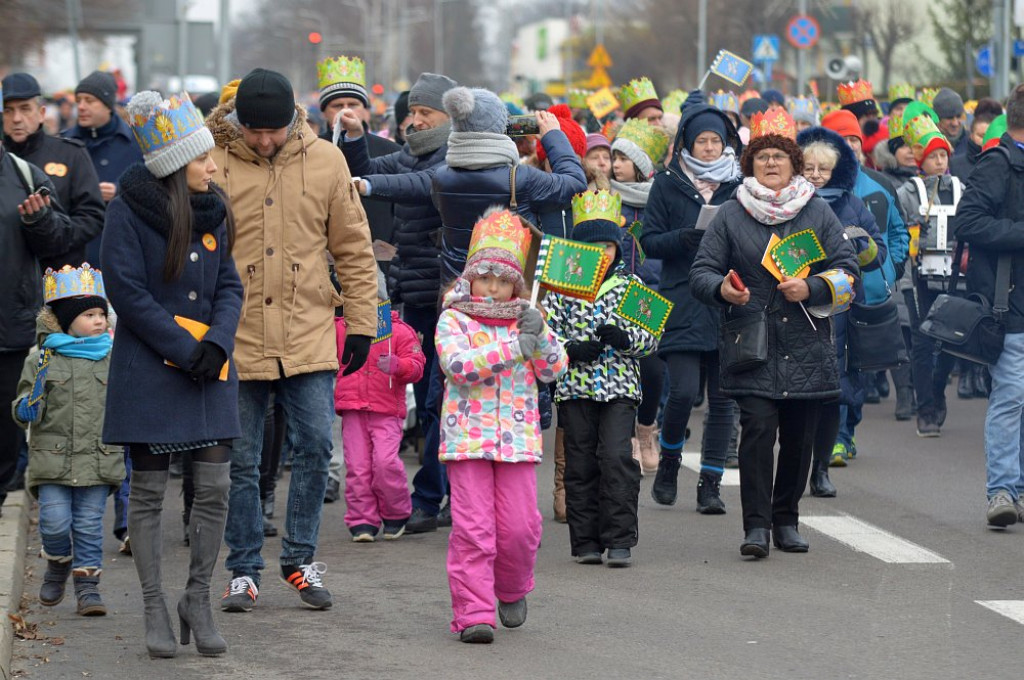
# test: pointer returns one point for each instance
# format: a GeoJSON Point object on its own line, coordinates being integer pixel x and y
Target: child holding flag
{"type": "Point", "coordinates": [371, 403]}
{"type": "Point", "coordinates": [493, 348]}
{"type": "Point", "coordinates": [598, 397]}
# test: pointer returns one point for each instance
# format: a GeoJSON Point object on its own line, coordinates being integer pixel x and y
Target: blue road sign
{"type": "Point", "coordinates": [765, 48]}
{"type": "Point", "coordinates": [983, 62]}
{"type": "Point", "coordinates": [803, 31]}
{"type": "Point", "coordinates": [1018, 48]}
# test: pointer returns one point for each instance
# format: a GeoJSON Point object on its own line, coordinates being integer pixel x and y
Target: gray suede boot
{"type": "Point", "coordinates": [206, 533]}
{"type": "Point", "coordinates": [145, 503]}
{"type": "Point", "coordinates": [87, 591]}
{"type": "Point", "coordinates": [54, 580]}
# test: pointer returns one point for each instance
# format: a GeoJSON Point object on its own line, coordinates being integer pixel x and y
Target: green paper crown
{"type": "Point", "coordinates": [995, 131]}
{"type": "Point", "coordinates": [928, 95]}
{"type": "Point", "coordinates": [578, 98]}
{"type": "Point", "coordinates": [673, 101]}
{"type": "Point", "coordinates": [596, 205]}
{"type": "Point", "coordinates": [895, 126]}
{"type": "Point", "coordinates": [901, 91]}
{"type": "Point", "coordinates": [919, 130]}
{"type": "Point", "coordinates": [915, 109]}
{"type": "Point", "coordinates": [341, 70]}
{"type": "Point", "coordinates": [652, 139]}
{"type": "Point", "coordinates": [636, 91]}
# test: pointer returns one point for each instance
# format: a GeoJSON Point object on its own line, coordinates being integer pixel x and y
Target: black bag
{"type": "Point", "coordinates": [969, 327]}
{"type": "Point", "coordinates": [744, 343]}
{"type": "Point", "coordinates": [874, 339]}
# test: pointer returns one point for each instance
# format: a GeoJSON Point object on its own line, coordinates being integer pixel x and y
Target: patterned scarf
{"type": "Point", "coordinates": [483, 309]}
{"type": "Point", "coordinates": [774, 207]}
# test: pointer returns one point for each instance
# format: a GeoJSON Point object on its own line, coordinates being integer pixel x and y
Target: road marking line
{"type": "Point", "coordinates": [730, 478]}
{"type": "Point", "coordinates": [874, 541]}
{"type": "Point", "coordinates": [1011, 609]}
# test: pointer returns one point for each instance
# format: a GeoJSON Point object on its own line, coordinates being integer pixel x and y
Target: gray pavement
{"type": "Point", "coordinates": [691, 607]}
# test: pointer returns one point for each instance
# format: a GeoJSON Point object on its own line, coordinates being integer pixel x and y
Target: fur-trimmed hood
{"type": "Point", "coordinates": [844, 175]}
{"type": "Point", "coordinates": [46, 323]}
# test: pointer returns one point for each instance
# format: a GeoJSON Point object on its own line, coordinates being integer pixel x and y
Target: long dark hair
{"type": "Point", "coordinates": [183, 221]}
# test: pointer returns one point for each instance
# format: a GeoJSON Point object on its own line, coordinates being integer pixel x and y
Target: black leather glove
{"type": "Point", "coordinates": [613, 336]}
{"type": "Point", "coordinates": [357, 348]}
{"type": "Point", "coordinates": [691, 239]}
{"type": "Point", "coordinates": [584, 351]}
{"type": "Point", "coordinates": [206, 361]}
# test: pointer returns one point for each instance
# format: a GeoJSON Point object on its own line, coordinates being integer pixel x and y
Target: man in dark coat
{"type": "Point", "coordinates": [64, 161]}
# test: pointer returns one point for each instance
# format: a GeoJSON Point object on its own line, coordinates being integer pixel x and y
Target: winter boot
{"type": "Point", "coordinates": [664, 489]}
{"type": "Point", "coordinates": [559, 505]}
{"type": "Point", "coordinates": [87, 581]}
{"type": "Point", "coordinates": [821, 485]}
{"type": "Point", "coordinates": [144, 507]}
{"type": "Point", "coordinates": [709, 498]}
{"type": "Point", "coordinates": [965, 384]}
{"type": "Point", "coordinates": [982, 381]}
{"type": "Point", "coordinates": [206, 532]}
{"type": "Point", "coordinates": [54, 580]}
{"type": "Point", "coordinates": [904, 403]}
{"type": "Point", "coordinates": [648, 437]}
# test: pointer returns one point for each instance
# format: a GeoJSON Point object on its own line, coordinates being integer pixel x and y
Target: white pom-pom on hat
{"type": "Point", "coordinates": [143, 103]}
{"type": "Point", "coordinates": [459, 103]}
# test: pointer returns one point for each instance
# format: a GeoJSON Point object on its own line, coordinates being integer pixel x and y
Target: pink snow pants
{"type": "Point", "coordinates": [376, 487]}
{"type": "Point", "coordinates": [495, 536]}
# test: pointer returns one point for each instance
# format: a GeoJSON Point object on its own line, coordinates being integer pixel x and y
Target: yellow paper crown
{"type": "Point", "coordinates": [901, 91]}
{"type": "Point", "coordinates": [333, 71]}
{"type": "Point", "coordinates": [851, 93]}
{"type": "Point", "coordinates": [653, 140]}
{"type": "Point", "coordinates": [895, 126]}
{"type": "Point", "coordinates": [69, 282]}
{"type": "Point", "coordinates": [578, 98]}
{"type": "Point", "coordinates": [597, 205]}
{"type": "Point", "coordinates": [636, 91]}
{"type": "Point", "coordinates": [673, 101]}
{"type": "Point", "coordinates": [726, 101]}
{"type": "Point", "coordinates": [928, 95]}
{"type": "Point", "coordinates": [773, 122]}
{"type": "Point", "coordinates": [920, 131]}
{"type": "Point", "coordinates": [500, 231]}
{"type": "Point", "coordinates": [970, 105]}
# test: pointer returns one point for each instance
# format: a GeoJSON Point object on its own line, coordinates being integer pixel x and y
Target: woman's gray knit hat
{"type": "Point", "coordinates": [475, 110]}
{"type": "Point", "coordinates": [171, 133]}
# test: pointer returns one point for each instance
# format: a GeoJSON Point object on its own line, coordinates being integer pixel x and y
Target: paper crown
{"type": "Point", "coordinates": [915, 109]}
{"type": "Point", "coordinates": [851, 93]}
{"type": "Point", "coordinates": [597, 205]}
{"type": "Point", "coordinates": [994, 133]}
{"type": "Point", "coordinates": [513, 98]}
{"type": "Point", "coordinates": [895, 123]}
{"type": "Point", "coordinates": [726, 101]}
{"type": "Point", "coordinates": [500, 231]}
{"type": "Point", "coordinates": [69, 282]}
{"type": "Point", "coordinates": [970, 105]}
{"type": "Point", "coordinates": [901, 91]}
{"type": "Point", "coordinates": [828, 107]}
{"type": "Point", "coordinates": [651, 139]}
{"type": "Point", "coordinates": [927, 96]}
{"type": "Point", "coordinates": [922, 135]}
{"type": "Point", "coordinates": [333, 71]}
{"type": "Point", "coordinates": [748, 94]}
{"type": "Point", "coordinates": [578, 98]}
{"type": "Point", "coordinates": [772, 122]}
{"type": "Point", "coordinates": [807, 106]}
{"type": "Point", "coordinates": [841, 287]}
{"type": "Point", "coordinates": [636, 91]}
{"type": "Point", "coordinates": [167, 123]}
{"type": "Point", "coordinates": [673, 101]}
{"type": "Point", "coordinates": [611, 129]}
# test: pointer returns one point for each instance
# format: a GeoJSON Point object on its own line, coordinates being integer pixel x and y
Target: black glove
{"type": "Point", "coordinates": [206, 361]}
{"type": "Point", "coordinates": [901, 269]}
{"type": "Point", "coordinates": [614, 337]}
{"type": "Point", "coordinates": [357, 348]}
{"type": "Point", "coordinates": [584, 351]}
{"type": "Point", "coordinates": [691, 238]}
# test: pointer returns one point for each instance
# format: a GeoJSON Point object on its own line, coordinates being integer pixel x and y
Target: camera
{"type": "Point", "coordinates": [522, 126]}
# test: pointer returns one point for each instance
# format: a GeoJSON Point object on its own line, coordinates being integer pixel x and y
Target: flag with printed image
{"type": "Point", "coordinates": [794, 254]}
{"type": "Point", "coordinates": [571, 268]}
{"type": "Point", "coordinates": [732, 67]}
{"type": "Point", "coordinates": [645, 308]}
{"type": "Point", "coordinates": [383, 321]}
{"type": "Point", "coordinates": [635, 230]}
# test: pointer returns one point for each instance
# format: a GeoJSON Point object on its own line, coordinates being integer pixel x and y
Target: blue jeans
{"type": "Point", "coordinates": [308, 402]}
{"type": "Point", "coordinates": [431, 482]}
{"type": "Point", "coordinates": [71, 522]}
{"type": "Point", "coordinates": [1003, 431]}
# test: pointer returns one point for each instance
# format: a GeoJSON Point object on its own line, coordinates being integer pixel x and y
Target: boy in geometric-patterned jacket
{"type": "Point", "coordinates": [597, 401]}
{"type": "Point", "coordinates": [61, 398]}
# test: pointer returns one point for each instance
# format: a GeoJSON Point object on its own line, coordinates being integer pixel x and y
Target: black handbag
{"type": "Point", "coordinates": [744, 343]}
{"type": "Point", "coordinates": [969, 327]}
{"type": "Point", "coordinates": [874, 339]}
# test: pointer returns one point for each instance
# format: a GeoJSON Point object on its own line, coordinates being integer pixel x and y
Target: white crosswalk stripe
{"type": "Point", "coordinates": [692, 461]}
{"type": "Point", "coordinates": [1011, 609]}
{"type": "Point", "coordinates": [875, 541]}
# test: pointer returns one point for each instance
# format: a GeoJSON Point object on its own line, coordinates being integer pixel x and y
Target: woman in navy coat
{"type": "Point", "coordinates": [166, 257]}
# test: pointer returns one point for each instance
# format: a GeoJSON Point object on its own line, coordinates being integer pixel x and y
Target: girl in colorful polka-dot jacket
{"type": "Point", "coordinates": [493, 348]}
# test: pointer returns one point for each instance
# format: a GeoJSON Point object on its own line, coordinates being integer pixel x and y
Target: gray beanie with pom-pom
{"type": "Point", "coordinates": [475, 110]}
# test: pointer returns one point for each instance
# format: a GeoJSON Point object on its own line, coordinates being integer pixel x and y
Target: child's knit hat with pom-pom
{"type": "Point", "coordinates": [577, 137]}
{"type": "Point", "coordinates": [475, 110]}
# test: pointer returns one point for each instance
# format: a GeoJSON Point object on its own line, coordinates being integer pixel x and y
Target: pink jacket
{"type": "Point", "coordinates": [367, 389]}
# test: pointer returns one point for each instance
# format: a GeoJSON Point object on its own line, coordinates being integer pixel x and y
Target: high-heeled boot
{"type": "Point", "coordinates": [145, 503]}
{"type": "Point", "coordinates": [206, 533]}
{"type": "Point", "coordinates": [559, 493]}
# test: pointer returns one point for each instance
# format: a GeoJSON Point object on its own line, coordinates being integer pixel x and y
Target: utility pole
{"type": "Point", "coordinates": [702, 38]}
{"type": "Point", "coordinates": [182, 43]}
{"type": "Point", "coordinates": [801, 58]}
{"type": "Point", "coordinates": [224, 44]}
{"type": "Point", "coordinates": [438, 38]}
{"type": "Point", "coordinates": [73, 33]}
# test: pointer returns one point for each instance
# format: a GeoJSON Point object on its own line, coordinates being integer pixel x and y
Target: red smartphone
{"type": "Point", "coordinates": [736, 281]}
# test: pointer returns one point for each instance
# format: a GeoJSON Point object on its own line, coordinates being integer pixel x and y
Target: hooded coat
{"type": "Point", "coordinates": [291, 211]}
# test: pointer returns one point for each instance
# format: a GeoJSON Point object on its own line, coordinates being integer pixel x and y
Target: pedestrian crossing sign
{"type": "Point", "coordinates": [766, 48]}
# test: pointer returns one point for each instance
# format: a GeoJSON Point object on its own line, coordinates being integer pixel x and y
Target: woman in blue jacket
{"type": "Point", "coordinates": [704, 171]}
{"type": "Point", "coordinates": [169, 273]}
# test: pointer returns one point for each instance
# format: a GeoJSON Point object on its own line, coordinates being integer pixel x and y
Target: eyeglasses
{"type": "Point", "coordinates": [776, 158]}
{"type": "Point", "coordinates": [811, 171]}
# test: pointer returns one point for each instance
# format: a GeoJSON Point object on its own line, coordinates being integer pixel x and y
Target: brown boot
{"type": "Point", "coordinates": [650, 448]}
{"type": "Point", "coordinates": [559, 505]}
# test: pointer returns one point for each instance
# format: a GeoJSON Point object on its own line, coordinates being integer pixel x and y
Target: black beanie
{"type": "Point", "coordinates": [101, 85]}
{"type": "Point", "coordinates": [265, 101]}
{"type": "Point", "coordinates": [862, 108]}
{"type": "Point", "coordinates": [402, 107]}
{"type": "Point", "coordinates": [68, 309]}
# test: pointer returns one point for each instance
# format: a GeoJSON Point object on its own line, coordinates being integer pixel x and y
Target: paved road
{"type": "Point", "coordinates": [691, 607]}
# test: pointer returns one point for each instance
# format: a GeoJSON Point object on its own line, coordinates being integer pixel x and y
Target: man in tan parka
{"type": "Point", "coordinates": [293, 202]}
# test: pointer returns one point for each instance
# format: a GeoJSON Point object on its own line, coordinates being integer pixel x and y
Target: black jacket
{"type": "Point", "coordinates": [21, 246]}
{"type": "Point", "coordinates": [801, 361]}
{"type": "Point", "coordinates": [380, 215]}
{"type": "Point", "coordinates": [990, 218]}
{"type": "Point", "coordinates": [67, 164]}
{"type": "Point", "coordinates": [960, 165]}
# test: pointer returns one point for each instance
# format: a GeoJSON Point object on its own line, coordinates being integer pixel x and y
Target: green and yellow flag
{"type": "Point", "coordinates": [570, 267]}
{"type": "Point", "coordinates": [645, 308]}
{"type": "Point", "coordinates": [794, 254]}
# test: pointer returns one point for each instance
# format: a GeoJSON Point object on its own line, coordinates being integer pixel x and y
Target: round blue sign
{"type": "Point", "coordinates": [803, 32]}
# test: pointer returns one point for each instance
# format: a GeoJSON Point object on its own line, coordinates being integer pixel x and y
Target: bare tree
{"type": "Point", "coordinates": [27, 23]}
{"type": "Point", "coordinates": [888, 25]}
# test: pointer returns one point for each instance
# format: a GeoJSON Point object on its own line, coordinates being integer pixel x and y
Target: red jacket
{"type": "Point", "coordinates": [367, 389]}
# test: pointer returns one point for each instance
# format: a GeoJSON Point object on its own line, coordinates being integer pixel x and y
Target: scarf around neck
{"type": "Point", "coordinates": [428, 141]}
{"type": "Point", "coordinates": [725, 168]}
{"type": "Point", "coordinates": [149, 200]}
{"type": "Point", "coordinates": [480, 150]}
{"type": "Point", "coordinates": [774, 207]}
{"type": "Point", "coordinates": [94, 347]}
{"type": "Point", "coordinates": [483, 309]}
{"type": "Point", "coordinates": [830, 194]}
{"type": "Point", "coordinates": [634, 194]}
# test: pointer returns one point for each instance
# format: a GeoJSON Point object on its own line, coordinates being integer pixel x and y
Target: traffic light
{"type": "Point", "coordinates": [315, 38]}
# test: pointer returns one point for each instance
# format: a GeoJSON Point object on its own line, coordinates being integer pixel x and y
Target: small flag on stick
{"type": "Point", "coordinates": [570, 268]}
{"type": "Point", "coordinates": [383, 321]}
{"type": "Point", "coordinates": [645, 308]}
{"type": "Point", "coordinates": [731, 67]}
{"type": "Point", "coordinates": [794, 254]}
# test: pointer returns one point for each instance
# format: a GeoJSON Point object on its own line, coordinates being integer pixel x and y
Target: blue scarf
{"type": "Point", "coordinates": [94, 347]}
{"type": "Point", "coordinates": [830, 194]}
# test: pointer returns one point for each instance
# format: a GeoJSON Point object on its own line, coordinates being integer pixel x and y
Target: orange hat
{"type": "Point", "coordinates": [844, 123]}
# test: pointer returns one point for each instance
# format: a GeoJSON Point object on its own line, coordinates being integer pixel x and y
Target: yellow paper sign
{"type": "Point", "coordinates": [602, 102]}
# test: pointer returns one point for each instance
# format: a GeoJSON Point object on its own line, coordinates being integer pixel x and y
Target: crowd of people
{"type": "Point", "coordinates": [201, 287]}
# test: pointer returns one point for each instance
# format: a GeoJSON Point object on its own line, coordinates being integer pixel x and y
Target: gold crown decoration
{"type": "Point", "coordinates": [503, 231]}
{"type": "Point", "coordinates": [653, 140]}
{"type": "Point", "coordinates": [773, 122]}
{"type": "Point", "coordinates": [673, 101]}
{"type": "Point", "coordinates": [70, 282]}
{"type": "Point", "coordinates": [901, 91]}
{"type": "Point", "coordinates": [578, 98]}
{"type": "Point", "coordinates": [336, 70]}
{"type": "Point", "coordinates": [597, 205]}
{"type": "Point", "coordinates": [853, 92]}
{"type": "Point", "coordinates": [637, 91]}
{"type": "Point", "coordinates": [927, 96]}
{"type": "Point", "coordinates": [170, 132]}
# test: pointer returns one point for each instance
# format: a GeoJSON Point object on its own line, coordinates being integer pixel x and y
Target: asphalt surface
{"type": "Point", "coordinates": [690, 607]}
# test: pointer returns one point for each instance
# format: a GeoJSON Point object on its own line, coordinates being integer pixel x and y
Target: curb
{"type": "Point", "coordinates": [14, 533]}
